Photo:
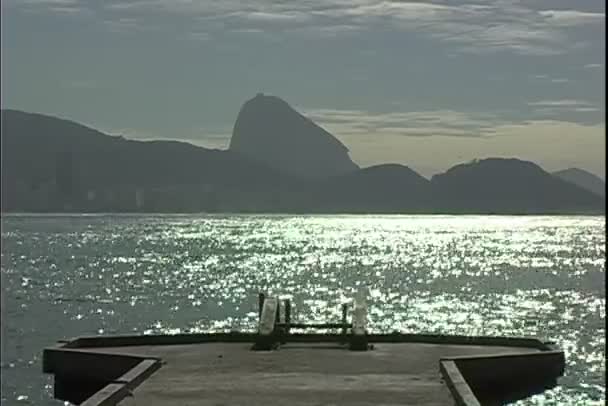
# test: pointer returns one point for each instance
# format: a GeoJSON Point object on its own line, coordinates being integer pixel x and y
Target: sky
{"type": "Point", "coordinates": [427, 84]}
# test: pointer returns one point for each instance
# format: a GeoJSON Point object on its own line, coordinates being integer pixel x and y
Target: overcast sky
{"type": "Point", "coordinates": [425, 83]}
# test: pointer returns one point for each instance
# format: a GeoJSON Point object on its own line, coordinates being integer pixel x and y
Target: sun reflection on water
{"type": "Point", "coordinates": [475, 275]}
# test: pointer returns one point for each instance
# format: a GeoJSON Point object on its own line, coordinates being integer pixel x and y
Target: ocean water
{"type": "Point", "coordinates": [64, 276]}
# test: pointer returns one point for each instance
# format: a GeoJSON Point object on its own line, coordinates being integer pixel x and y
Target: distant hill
{"type": "Point", "coordinates": [388, 188]}
{"type": "Point", "coordinates": [584, 179]}
{"type": "Point", "coordinates": [54, 165]}
{"type": "Point", "coordinates": [270, 131]}
{"type": "Point", "coordinates": [509, 186]}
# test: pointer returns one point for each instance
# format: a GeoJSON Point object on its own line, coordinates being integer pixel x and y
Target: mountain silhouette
{"type": "Point", "coordinates": [270, 131]}
{"type": "Point", "coordinates": [386, 188]}
{"type": "Point", "coordinates": [509, 186]}
{"type": "Point", "coordinates": [584, 179]}
{"type": "Point", "coordinates": [54, 165]}
{"type": "Point", "coordinates": [48, 163]}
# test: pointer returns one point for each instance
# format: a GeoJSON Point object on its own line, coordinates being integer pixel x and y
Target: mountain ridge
{"type": "Point", "coordinates": [584, 179]}
{"type": "Point", "coordinates": [75, 167]}
{"type": "Point", "coordinates": [267, 129]}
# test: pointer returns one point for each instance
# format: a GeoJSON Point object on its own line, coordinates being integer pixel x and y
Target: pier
{"type": "Point", "coordinates": [277, 365]}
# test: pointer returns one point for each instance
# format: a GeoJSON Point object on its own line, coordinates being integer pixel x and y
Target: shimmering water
{"type": "Point", "coordinates": [64, 276]}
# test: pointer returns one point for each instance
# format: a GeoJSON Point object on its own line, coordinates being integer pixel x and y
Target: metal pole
{"type": "Point", "coordinates": [287, 313]}
{"type": "Point", "coordinates": [344, 320]}
{"type": "Point", "coordinates": [287, 321]}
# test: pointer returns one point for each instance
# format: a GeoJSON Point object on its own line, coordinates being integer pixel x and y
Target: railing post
{"type": "Point", "coordinates": [261, 298]}
{"type": "Point", "coordinates": [278, 330]}
{"type": "Point", "coordinates": [287, 321]}
{"type": "Point", "coordinates": [278, 317]}
{"type": "Point", "coordinates": [287, 314]}
{"type": "Point", "coordinates": [344, 321]}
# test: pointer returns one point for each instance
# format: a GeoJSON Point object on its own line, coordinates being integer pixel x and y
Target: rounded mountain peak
{"type": "Point", "coordinates": [269, 130]}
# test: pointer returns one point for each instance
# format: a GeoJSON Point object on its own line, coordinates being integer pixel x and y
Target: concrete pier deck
{"type": "Point", "coordinates": [301, 375]}
{"type": "Point", "coordinates": [277, 366]}
{"type": "Point", "coordinates": [310, 369]}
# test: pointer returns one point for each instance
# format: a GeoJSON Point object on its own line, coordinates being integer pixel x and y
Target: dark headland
{"type": "Point", "coordinates": [584, 179]}
{"type": "Point", "coordinates": [278, 161]}
{"type": "Point", "coordinates": [269, 130]}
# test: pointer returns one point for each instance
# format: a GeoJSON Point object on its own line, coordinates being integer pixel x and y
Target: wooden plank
{"type": "Point", "coordinates": [136, 375]}
{"type": "Point", "coordinates": [359, 313]}
{"type": "Point", "coordinates": [269, 316]}
{"type": "Point", "coordinates": [458, 386]}
{"type": "Point", "coordinates": [266, 339]}
{"type": "Point", "coordinates": [358, 340]}
{"type": "Point", "coordinates": [108, 396]}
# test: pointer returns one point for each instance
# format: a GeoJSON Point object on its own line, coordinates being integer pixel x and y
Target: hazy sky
{"type": "Point", "coordinates": [423, 83]}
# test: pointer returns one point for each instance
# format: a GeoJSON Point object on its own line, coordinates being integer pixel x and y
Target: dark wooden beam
{"type": "Point", "coordinates": [344, 321]}
{"type": "Point", "coordinates": [316, 325]}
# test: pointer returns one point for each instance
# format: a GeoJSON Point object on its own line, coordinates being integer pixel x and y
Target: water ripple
{"type": "Point", "coordinates": [480, 275]}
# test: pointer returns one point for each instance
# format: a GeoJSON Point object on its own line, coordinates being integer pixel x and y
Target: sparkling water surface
{"type": "Point", "coordinates": [70, 275]}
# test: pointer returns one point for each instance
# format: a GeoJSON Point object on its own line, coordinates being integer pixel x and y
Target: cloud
{"type": "Point", "coordinates": [66, 7]}
{"type": "Point", "coordinates": [559, 103]}
{"type": "Point", "coordinates": [50, 2]}
{"type": "Point", "coordinates": [495, 25]}
{"type": "Point", "coordinates": [439, 123]}
{"type": "Point", "coordinates": [572, 145]}
{"type": "Point", "coordinates": [202, 137]}
{"type": "Point", "coordinates": [557, 110]}
{"type": "Point", "coordinates": [248, 30]}
{"type": "Point", "coordinates": [128, 5]}
{"type": "Point", "coordinates": [265, 17]}
{"type": "Point", "coordinates": [330, 31]}
{"type": "Point", "coordinates": [412, 124]}
{"type": "Point", "coordinates": [553, 107]}
{"type": "Point", "coordinates": [476, 28]}
{"type": "Point", "coordinates": [568, 18]}
{"type": "Point", "coordinates": [550, 79]}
